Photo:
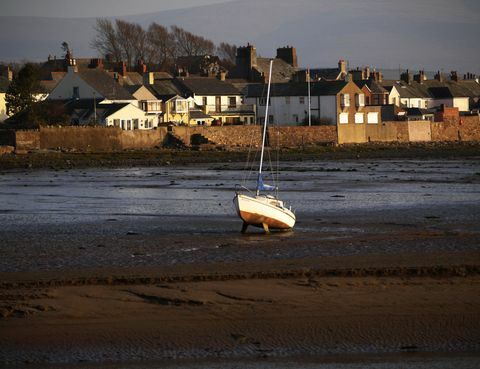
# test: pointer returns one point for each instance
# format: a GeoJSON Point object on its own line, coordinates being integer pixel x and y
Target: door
{"type": "Point", "coordinates": [218, 104]}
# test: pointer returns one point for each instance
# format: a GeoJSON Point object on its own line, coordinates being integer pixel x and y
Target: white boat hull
{"type": "Point", "coordinates": [262, 211]}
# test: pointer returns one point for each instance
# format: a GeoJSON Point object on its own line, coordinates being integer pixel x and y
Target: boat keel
{"type": "Point", "coordinates": [266, 228]}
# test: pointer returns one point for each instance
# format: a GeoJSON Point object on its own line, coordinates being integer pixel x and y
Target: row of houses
{"type": "Point", "coordinates": [94, 91]}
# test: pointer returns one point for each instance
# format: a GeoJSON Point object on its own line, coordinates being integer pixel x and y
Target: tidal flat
{"type": "Point", "coordinates": [136, 266]}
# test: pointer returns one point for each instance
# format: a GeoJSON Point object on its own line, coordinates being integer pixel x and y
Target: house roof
{"type": "Point", "coordinates": [207, 86]}
{"type": "Point", "coordinates": [84, 108]}
{"type": "Point", "coordinates": [321, 88]}
{"type": "Point", "coordinates": [165, 89]}
{"type": "Point", "coordinates": [198, 114]}
{"type": "Point", "coordinates": [417, 112]}
{"type": "Point", "coordinates": [372, 85]}
{"type": "Point", "coordinates": [330, 74]}
{"type": "Point", "coordinates": [435, 89]}
{"type": "Point", "coordinates": [130, 78]}
{"type": "Point", "coordinates": [408, 91]}
{"type": "Point", "coordinates": [282, 71]}
{"type": "Point", "coordinates": [105, 84]}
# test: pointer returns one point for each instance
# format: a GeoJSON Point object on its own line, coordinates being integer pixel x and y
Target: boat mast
{"type": "Point", "coordinates": [309, 100]}
{"type": "Point", "coordinates": [265, 126]}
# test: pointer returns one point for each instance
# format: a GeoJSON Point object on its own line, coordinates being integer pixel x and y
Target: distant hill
{"type": "Point", "coordinates": [431, 34]}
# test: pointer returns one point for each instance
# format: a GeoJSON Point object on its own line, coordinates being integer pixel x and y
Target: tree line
{"type": "Point", "coordinates": [157, 46]}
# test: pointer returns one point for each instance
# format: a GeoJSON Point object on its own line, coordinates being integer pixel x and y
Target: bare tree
{"type": "Point", "coordinates": [106, 40]}
{"type": "Point", "coordinates": [227, 54]}
{"type": "Point", "coordinates": [126, 40]}
{"type": "Point", "coordinates": [161, 49]}
{"type": "Point", "coordinates": [189, 44]}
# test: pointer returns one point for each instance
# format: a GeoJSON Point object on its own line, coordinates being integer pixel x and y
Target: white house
{"type": "Point", "coordinates": [123, 115]}
{"type": "Point", "coordinates": [90, 84]}
{"type": "Point", "coordinates": [331, 102]}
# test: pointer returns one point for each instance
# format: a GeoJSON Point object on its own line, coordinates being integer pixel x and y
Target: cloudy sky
{"type": "Point", "coordinates": [93, 8]}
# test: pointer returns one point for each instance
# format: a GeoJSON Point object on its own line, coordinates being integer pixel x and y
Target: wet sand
{"type": "Point", "coordinates": [117, 268]}
{"type": "Point", "coordinates": [311, 308]}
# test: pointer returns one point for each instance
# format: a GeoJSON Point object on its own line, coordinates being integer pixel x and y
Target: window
{"type": "Point", "coordinates": [372, 118]}
{"type": "Point", "coordinates": [181, 106]}
{"type": "Point", "coordinates": [343, 118]}
{"type": "Point", "coordinates": [205, 101]}
{"type": "Point", "coordinates": [135, 124]}
{"type": "Point", "coordinates": [232, 102]}
{"type": "Point", "coordinates": [270, 119]}
{"type": "Point", "coordinates": [302, 100]}
{"type": "Point", "coordinates": [359, 118]}
{"type": "Point", "coordinates": [76, 92]}
{"type": "Point", "coordinates": [394, 101]}
{"type": "Point", "coordinates": [287, 100]}
{"type": "Point", "coordinates": [154, 106]}
{"type": "Point", "coordinates": [116, 122]}
{"type": "Point", "coordinates": [344, 100]}
{"type": "Point", "coordinates": [359, 100]}
{"type": "Point", "coordinates": [295, 118]}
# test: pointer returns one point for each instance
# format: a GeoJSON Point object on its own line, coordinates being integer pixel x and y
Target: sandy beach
{"type": "Point", "coordinates": [117, 268]}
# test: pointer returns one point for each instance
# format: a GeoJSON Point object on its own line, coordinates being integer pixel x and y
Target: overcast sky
{"type": "Point", "coordinates": [93, 8]}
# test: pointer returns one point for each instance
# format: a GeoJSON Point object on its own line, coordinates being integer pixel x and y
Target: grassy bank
{"type": "Point", "coordinates": [162, 157]}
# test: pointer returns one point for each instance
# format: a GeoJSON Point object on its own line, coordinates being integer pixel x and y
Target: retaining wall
{"type": "Point", "coordinates": [245, 136]}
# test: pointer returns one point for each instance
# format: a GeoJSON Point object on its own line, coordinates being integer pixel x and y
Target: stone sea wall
{"type": "Point", "coordinates": [99, 139]}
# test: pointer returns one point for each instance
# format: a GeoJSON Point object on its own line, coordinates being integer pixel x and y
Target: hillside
{"type": "Point", "coordinates": [430, 34]}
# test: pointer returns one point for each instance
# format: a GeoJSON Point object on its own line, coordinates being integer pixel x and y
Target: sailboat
{"type": "Point", "coordinates": [261, 209]}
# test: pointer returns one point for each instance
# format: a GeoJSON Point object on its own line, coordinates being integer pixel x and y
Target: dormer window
{"type": "Point", "coordinates": [345, 100]}
{"type": "Point", "coordinates": [359, 100]}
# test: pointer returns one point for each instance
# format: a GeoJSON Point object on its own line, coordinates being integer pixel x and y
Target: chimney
{"type": "Point", "coordinates": [246, 59]}
{"type": "Point", "coordinates": [439, 76]}
{"type": "Point", "coordinates": [420, 77]}
{"type": "Point", "coordinates": [122, 69]}
{"type": "Point", "coordinates": [342, 65]}
{"type": "Point", "coordinates": [376, 76]}
{"type": "Point", "coordinates": [7, 72]}
{"type": "Point", "coordinates": [356, 75]}
{"type": "Point", "coordinates": [289, 55]}
{"type": "Point", "coordinates": [141, 67]}
{"type": "Point", "coordinates": [96, 63]}
{"type": "Point", "coordinates": [149, 78]}
{"type": "Point", "coordinates": [222, 75]}
{"type": "Point", "coordinates": [454, 76]}
{"type": "Point", "coordinates": [366, 73]}
{"type": "Point", "coordinates": [406, 77]}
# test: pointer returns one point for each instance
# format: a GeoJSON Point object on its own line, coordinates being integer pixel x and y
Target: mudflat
{"type": "Point", "coordinates": [342, 305]}
{"type": "Point", "coordinates": [122, 268]}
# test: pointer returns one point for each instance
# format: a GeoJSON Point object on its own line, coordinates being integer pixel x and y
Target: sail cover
{"type": "Point", "coordinates": [262, 186]}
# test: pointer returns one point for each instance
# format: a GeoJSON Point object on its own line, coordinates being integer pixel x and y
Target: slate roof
{"type": "Point", "coordinates": [207, 87]}
{"type": "Point", "coordinates": [435, 89]}
{"type": "Point", "coordinates": [165, 89]}
{"type": "Point", "coordinates": [330, 74]}
{"type": "Point", "coordinates": [83, 109]}
{"type": "Point", "coordinates": [408, 91]}
{"type": "Point", "coordinates": [322, 88]}
{"type": "Point", "coordinates": [105, 84]}
{"type": "Point", "coordinates": [198, 114]}
{"type": "Point", "coordinates": [130, 79]}
{"type": "Point", "coordinates": [282, 71]}
{"type": "Point", "coordinates": [372, 85]}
